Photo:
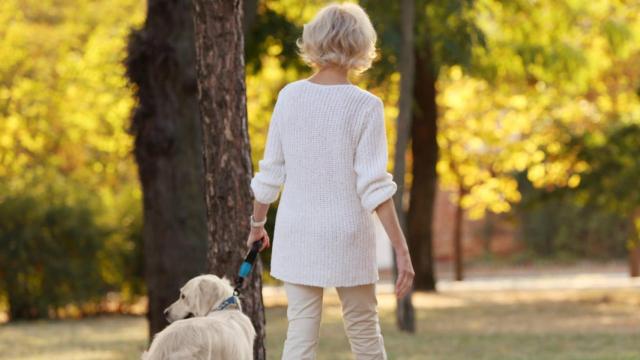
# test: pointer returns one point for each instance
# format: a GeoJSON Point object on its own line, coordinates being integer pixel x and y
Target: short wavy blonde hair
{"type": "Point", "coordinates": [339, 35]}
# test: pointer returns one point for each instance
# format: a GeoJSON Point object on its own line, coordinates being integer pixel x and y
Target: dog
{"type": "Point", "coordinates": [200, 329]}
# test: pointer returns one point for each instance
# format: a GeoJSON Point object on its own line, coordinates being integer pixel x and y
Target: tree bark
{"type": "Point", "coordinates": [405, 313]}
{"type": "Point", "coordinates": [424, 148]}
{"type": "Point", "coordinates": [226, 151]}
{"type": "Point", "coordinates": [165, 124]}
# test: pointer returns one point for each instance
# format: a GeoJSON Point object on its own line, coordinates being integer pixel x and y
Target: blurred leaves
{"type": "Point", "coordinates": [64, 148]}
{"type": "Point", "coordinates": [551, 71]}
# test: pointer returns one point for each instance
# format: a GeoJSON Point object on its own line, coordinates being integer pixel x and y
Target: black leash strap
{"type": "Point", "coordinates": [247, 266]}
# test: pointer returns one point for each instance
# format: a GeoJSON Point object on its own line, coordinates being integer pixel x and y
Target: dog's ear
{"type": "Point", "coordinates": [205, 297]}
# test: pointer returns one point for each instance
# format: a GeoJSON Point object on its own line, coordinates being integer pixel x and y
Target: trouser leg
{"type": "Point", "coordinates": [304, 311]}
{"type": "Point", "coordinates": [361, 323]}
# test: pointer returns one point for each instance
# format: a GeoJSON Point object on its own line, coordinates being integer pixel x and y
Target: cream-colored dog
{"type": "Point", "coordinates": [199, 330]}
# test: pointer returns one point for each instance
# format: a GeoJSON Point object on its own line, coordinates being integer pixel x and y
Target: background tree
{"type": "Point", "coordinates": [405, 312]}
{"type": "Point", "coordinates": [227, 156]}
{"type": "Point", "coordinates": [474, 135]}
{"type": "Point", "coordinates": [445, 35]}
{"type": "Point", "coordinates": [611, 181]}
{"type": "Point", "coordinates": [165, 123]}
{"type": "Point", "coordinates": [575, 78]}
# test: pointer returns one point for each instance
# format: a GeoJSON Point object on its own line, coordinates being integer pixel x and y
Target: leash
{"type": "Point", "coordinates": [233, 302]}
{"type": "Point", "coordinates": [247, 266]}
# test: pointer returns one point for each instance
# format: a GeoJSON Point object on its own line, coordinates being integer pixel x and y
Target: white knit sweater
{"type": "Point", "coordinates": [327, 145]}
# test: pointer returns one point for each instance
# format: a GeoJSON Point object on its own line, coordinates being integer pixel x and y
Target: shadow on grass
{"type": "Point", "coordinates": [475, 325]}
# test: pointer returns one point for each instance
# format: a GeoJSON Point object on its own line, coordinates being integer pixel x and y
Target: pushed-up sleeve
{"type": "Point", "coordinates": [374, 184]}
{"type": "Point", "coordinates": [266, 183]}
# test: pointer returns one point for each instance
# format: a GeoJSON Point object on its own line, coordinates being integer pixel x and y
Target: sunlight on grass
{"type": "Point", "coordinates": [557, 325]}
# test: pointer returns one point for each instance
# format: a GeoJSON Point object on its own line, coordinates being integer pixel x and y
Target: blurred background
{"type": "Point", "coordinates": [521, 203]}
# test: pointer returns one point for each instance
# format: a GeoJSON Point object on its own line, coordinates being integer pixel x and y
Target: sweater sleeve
{"type": "Point", "coordinates": [374, 184]}
{"type": "Point", "coordinates": [266, 183]}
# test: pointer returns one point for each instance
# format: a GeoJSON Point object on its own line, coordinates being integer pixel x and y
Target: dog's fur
{"type": "Point", "coordinates": [212, 335]}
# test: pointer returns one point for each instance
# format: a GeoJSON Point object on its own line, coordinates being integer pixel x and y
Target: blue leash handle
{"type": "Point", "coordinates": [247, 265]}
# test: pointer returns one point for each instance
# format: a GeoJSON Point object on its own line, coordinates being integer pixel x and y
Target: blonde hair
{"type": "Point", "coordinates": [340, 35]}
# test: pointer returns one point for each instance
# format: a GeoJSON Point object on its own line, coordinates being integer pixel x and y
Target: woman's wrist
{"type": "Point", "coordinates": [402, 250]}
{"type": "Point", "coordinates": [257, 224]}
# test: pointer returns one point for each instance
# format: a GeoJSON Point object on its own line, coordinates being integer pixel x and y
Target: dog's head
{"type": "Point", "coordinates": [198, 297]}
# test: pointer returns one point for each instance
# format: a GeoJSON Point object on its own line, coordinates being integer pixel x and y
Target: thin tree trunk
{"type": "Point", "coordinates": [488, 229]}
{"type": "Point", "coordinates": [165, 123]}
{"type": "Point", "coordinates": [458, 260]}
{"type": "Point", "coordinates": [424, 147]}
{"type": "Point", "coordinates": [405, 314]}
{"type": "Point", "coordinates": [634, 248]}
{"type": "Point", "coordinates": [634, 261]}
{"type": "Point", "coordinates": [226, 151]}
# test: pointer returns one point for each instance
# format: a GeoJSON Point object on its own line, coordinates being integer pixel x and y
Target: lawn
{"type": "Point", "coordinates": [562, 325]}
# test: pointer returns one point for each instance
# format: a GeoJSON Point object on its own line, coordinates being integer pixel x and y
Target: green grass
{"type": "Point", "coordinates": [578, 325]}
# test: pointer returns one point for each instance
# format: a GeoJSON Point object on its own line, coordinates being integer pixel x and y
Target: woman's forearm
{"type": "Point", "coordinates": [387, 213]}
{"type": "Point", "coordinates": [259, 210]}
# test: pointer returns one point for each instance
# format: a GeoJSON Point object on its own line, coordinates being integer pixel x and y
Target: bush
{"type": "Point", "coordinates": [556, 224]}
{"type": "Point", "coordinates": [54, 253]}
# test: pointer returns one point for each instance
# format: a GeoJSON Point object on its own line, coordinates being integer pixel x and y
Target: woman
{"type": "Point", "coordinates": [327, 145]}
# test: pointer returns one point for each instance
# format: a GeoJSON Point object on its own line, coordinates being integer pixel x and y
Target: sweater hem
{"type": "Point", "coordinates": [324, 284]}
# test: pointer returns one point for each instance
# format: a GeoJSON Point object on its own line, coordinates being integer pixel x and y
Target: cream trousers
{"type": "Point", "coordinates": [359, 311]}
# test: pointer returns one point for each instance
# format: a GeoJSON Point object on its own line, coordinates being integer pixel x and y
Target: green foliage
{"type": "Point", "coordinates": [54, 253]}
{"type": "Point", "coordinates": [444, 29]}
{"type": "Point", "coordinates": [49, 251]}
{"type": "Point", "coordinates": [451, 30]}
{"type": "Point", "coordinates": [613, 175]}
{"type": "Point", "coordinates": [68, 185]}
{"type": "Point", "coordinates": [611, 181]}
{"type": "Point", "coordinates": [557, 224]}
{"type": "Point", "coordinates": [550, 71]}
{"type": "Point", "coordinates": [600, 217]}
{"type": "Point", "coordinates": [274, 34]}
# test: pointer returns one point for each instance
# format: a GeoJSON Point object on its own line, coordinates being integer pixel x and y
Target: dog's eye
{"type": "Point", "coordinates": [181, 296]}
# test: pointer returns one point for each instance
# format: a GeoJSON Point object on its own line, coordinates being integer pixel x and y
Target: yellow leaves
{"type": "Point", "coordinates": [518, 102]}
{"type": "Point", "coordinates": [67, 101]}
{"type": "Point", "coordinates": [495, 195]}
{"type": "Point", "coordinates": [538, 156]}
{"type": "Point", "coordinates": [605, 103]}
{"type": "Point", "coordinates": [581, 166]}
{"type": "Point", "coordinates": [536, 174]}
{"type": "Point", "coordinates": [519, 160]}
{"type": "Point", "coordinates": [574, 181]}
{"type": "Point", "coordinates": [455, 73]}
{"type": "Point", "coordinates": [274, 49]}
{"type": "Point", "coordinates": [554, 148]}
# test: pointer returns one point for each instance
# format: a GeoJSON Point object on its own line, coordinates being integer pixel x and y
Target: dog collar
{"type": "Point", "coordinates": [232, 302]}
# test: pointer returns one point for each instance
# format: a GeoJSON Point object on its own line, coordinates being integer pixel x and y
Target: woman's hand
{"type": "Point", "coordinates": [387, 213]}
{"type": "Point", "coordinates": [405, 273]}
{"type": "Point", "coordinates": [258, 233]}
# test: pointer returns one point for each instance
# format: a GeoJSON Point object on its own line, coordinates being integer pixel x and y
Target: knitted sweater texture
{"type": "Point", "coordinates": [327, 150]}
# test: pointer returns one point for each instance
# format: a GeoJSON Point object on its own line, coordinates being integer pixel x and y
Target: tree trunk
{"type": "Point", "coordinates": [634, 261]}
{"type": "Point", "coordinates": [227, 156]}
{"type": "Point", "coordinates": [424, 147]}
{"type": "Point", "coordinates": [488, 229]}
{"type": "Point", "coordinates": [458, 261]}
{"type": "Point", "coordinates": [405, 314]}
{"type": "Point", "coordinates": [165, 123]}
{"type": "Point", "coordinates": [634, 244]}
